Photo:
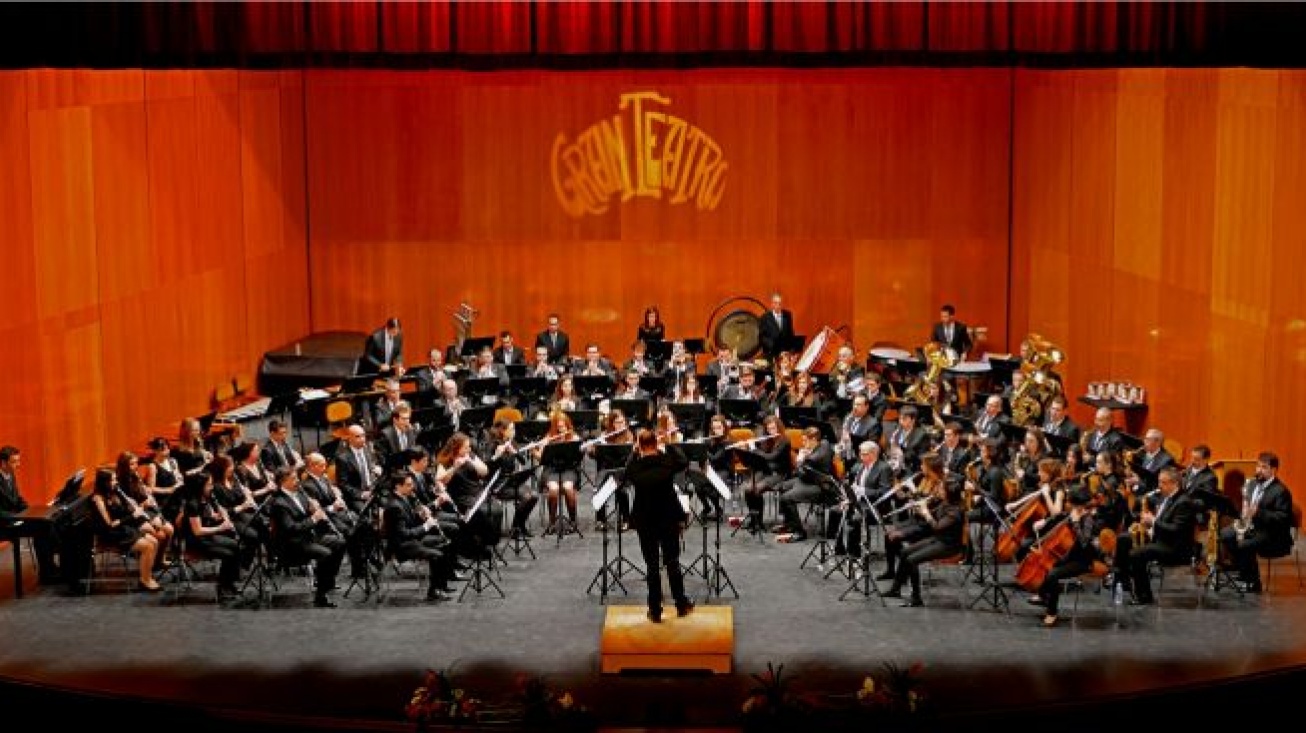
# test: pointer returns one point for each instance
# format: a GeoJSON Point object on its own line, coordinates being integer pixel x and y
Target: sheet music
{"type": "Point", "coordinates": [604, 493]}
{"type": "Point", "coordinates": [714, 478]}
{"type": "Point", "coordinates": [309, 395]}
{"type": "Point", "coordinates": [684, 501]}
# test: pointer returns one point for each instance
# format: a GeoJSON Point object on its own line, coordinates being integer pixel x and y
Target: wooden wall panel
{"type": "Point", "coordinates": [126, 292]}
{"type": "Point", "coordinates": [1158, 237]}
{"type": "Point", "coordinates": [868, 197]}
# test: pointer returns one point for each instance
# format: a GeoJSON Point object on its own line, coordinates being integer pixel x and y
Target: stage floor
{"type": "Point", "coordinates": [362, 661]}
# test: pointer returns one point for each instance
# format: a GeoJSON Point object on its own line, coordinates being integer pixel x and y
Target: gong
{"type": "Point", "coordinates": [739, 330]}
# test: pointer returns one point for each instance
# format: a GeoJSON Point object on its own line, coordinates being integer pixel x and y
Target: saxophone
{"type": "Point", "coordinates": [1212, 548]}
{"type": "Point", "coordinates": [1244, 521]}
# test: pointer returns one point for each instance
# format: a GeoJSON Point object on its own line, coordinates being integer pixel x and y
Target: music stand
{"type": "Point", "coordinates": [515, 371]}
{"type": "Point", "coordinates": [1012, 433]}
{"type": "Point", "coordinates": [1129, 442]}
{"type": "Point", "coordinates": [480, 580]}
{"type": "Point", "coordinates": [827, 430]}
{"type": "Point", "coordinates": [358, 384]}
{"type": "Point", "coordinates": [584, 421]}
{"type": "Point", "coordinates": [593, 388]}
{"type": "Point", "coordinates": [530, 390]}
{"type": "Point", "coordinates": [657, 350]}
{"type": "Point", "coordinates": [1059, 444]}
{"type": "Point", "coordinates": [610, 571]}
{"type": "Point", "coordinates": [1001, 369]}
{"type": "Point", "coordinates": [795, 344]}
{"type": "Point", "coordinates": [433, 437]}
{"type": "Point", "coordinates": [636, 411]}
{"type": "Point", "coordinates": [695, 346]}
{"type": "Point", "coordinates": [866, 585]}
{"type": "Point", "coordinates": [712, 572]}
{"type": "Point", "coordinates": [259, 572]}
{"type": "Point", "coordinates": [755, 463]}
{"type": "Point", "coordinates": [797, 415]}
{"type": "Point", "coordinates": [707, 384]}
{"type": "Point", "coordinates": [690, 416]}
{"type": "Point", "coordinates": [562, 456]}
{"type": "Point", "coordinates": [1219, 577]}
{"type": "Point", "coordinates": [986, 561]}
{"type": "Point", "coordinates": [529, 431]}
{"type": "Point", "coordinates": [521, 541]}
{"type": "Point", "coordinates": [654, 384]}
{"type": "Point", "coordinates": [474, 345]}
{"type": "Point", "coordinates": [475, 389]}
{"type": "Point", "coordinates": [474, 420]}
{"type": "Point", "coordinates": [739, 412]}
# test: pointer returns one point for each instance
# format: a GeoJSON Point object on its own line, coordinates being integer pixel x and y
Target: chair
{"type": "Point", "coordinates": [951, 561]}
{"type": "Point", "coordinates": [1175, 449]}
{"type": "Point", "coordinates": [511, 414]}
{"type": "Point", "coordinates": [338, 415]}
{"type": "Point", "coordinates": [1296, 552]}
{"type": "Point", "coordinates": [1080, 583]}
{"type": "Point", "coordinates": [103, 557]}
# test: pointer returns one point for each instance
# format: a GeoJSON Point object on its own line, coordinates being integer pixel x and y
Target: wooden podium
{"type": "Point", "coordinates": [703, 640]}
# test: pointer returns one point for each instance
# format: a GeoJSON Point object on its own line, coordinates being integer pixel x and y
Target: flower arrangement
{"type": "Point", "coordinates": [542, 705]}
{"type": "Point", "coordinates": [894, 689]}
{"type": "Point", "coordinates": [893, 694]}
{"type": "Point", "coordinates": [440, 700]}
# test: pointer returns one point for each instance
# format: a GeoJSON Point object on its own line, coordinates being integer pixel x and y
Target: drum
{"type": "Point", "coordinates": [888, 356]}
{"type": "Point", "coordinates": [822, 353]}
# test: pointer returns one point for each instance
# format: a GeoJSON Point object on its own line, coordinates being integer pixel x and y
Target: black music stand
{"type": "Point", "coordinates": [371, 552]}
{"type": "Point", "coordinates": [562, 456]}
{"type": "Point", "coordinates": [612, 457]}
{"type": "Point", "coordinates": [358, 384]}
{"type": "Point", "coordinates": [695, 346]}
{"type": "Point", "coordinates": [475, 389]}
{"type": "Point", "coordinates": [690, 416]}
{"type": "Point", "coordinates": [584, 421]}
{"type": "Point", "coordinates": [474, 345]}
{"type": "Point", "coordinates": [260, 575]}
{"type": "Point", "coordinates": [520, 542]}
{"type": "Point", "coordinates": [1012, 433]}
{"type": "Point", "coordinates": [654, 384]}
{"type": "Point", "coordinates": [529, 431]}
{"type": "Point", "coordinates": [712, 572]}
{"type": "Point", "coordinates": [797, 415]}
{"type": "Point", "coordinates": [515, 371]}
{"type": "Point", "coordinates": [610, 571]}
{"type": "Point", "coordinates": [1002, 369]}
{"type": "Point", "coordinates": [707, 384]}
{"type": "Point", "coordinates": [1059, 444]}
{"type": "Point", "coordinates": [593, 388]}
{"type": "Point", "coordinates": [821, 549]}
{"type": "Point", "coordinates": [474, 420]}
{"type": "Point", "coordinates": [986, 567]}
{"type": "Point", "coordinates": [1219, 577]}
{"type": "Point", "coordinates": [739, 412]}
{"type": "Point", "coordinates": [638, 412]}
{"type": "Point", "coordinates": [755, 463]}
{"type": "Point", "coordinates": [433, 437]}
{"type": "Point", "coordinates": [866, 586]}
{"type": "Point", "coordinates": [530, 391]}
{"type": "Point", "coordinates": [481, 580]}
{"type": "Point", "coordinates": [657, 351]}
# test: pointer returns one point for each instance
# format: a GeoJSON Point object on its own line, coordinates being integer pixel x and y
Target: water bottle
{"type": "Point", "coordinates": [1118, 594]}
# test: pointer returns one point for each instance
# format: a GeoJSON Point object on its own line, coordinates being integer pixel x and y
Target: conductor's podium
{"type": "Point", "coordinates": [703, 640]}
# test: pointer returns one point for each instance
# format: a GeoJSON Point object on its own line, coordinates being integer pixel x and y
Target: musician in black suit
{"type": "Point", "coordinates": [988, 424]}
{"type": "Point", "coordinates": [12, 504]}
{"type": "Point", "coordinates": [1148, 461]}
{"type": "Point", "coordinates": [776, 329]}
{"type": "Point", "coordinates": [357, 468]}
{"type": "Point", "coordinates": [774, 451]}
{"type": "Point", "coordinates": [658, 517]}
{"type": "Point", "coordinates": [1268, 512]}
{"type": "Point", "coordinates": [317, 486]}
{"type": "Point", "coordinates": [554, 339]}
{"type": "Point", "coordinates": [412, 535]}
{"type": "Point", "coordinates": [857, 428]}
{"type": "Point", "coordinates": [877, 405]}
{"type": "Point", "coordinates": [1103, 437]}
{"type": "Point", "coordinates": [952, 333]}
{"type": "Point", "coordinates": [1170, 536]}
{"type": "Point", "coordinates": [1198, 480]}
{"type": "Point", "coordinates": [868, 480]}
{"type": "Point", "coordinates": [813, 481]}
{"type": "Point", "coordinates": [398, 436]}
{"type": "Point", "coordinates": [1058, 422]}
{"type": "Point", "coordinates": [383, 353]}
{"type": "Point", "coordinates": [277, 452]}
{"type": "Point", "coordinates": [910, 438]}
{"type": "Point", "coordinates": [302, 533]}
{"type": "Point", "coordinates": [956, 456]}
{"type": "Point", "coordinates": [508, 352]}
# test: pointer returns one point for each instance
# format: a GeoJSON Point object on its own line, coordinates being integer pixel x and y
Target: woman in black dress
{"type": "Point", "coordinates": [119, 521]}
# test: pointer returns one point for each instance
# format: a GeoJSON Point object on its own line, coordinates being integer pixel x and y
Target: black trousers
{"type": "Point", "coordinates": [909, 566]}
{"type": "Point", "coordinates": [1245, 553]}
{"type": "Point", "coordinates": [660, 547]}
{"type": "Point", "coordinates": [1050, 590]}
{"type": "Point", "coordinates": [326, 552]}
{"type": "Point", "coordinates": [797, 491]}
{"type": "Point", "coordinates": [898, 535]}
{"type": "Point", "coordinates": [1141, 555]}
{"type": "Point", "coordinates": [439, 562]}
{"type": "Point", "coordinates": [226, 550]}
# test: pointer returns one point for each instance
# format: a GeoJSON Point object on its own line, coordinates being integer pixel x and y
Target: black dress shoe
{"type": "Point", "coordinates": [884, 576]}
{"type": "Point", "coordinates": [892, 593]}
{"type": "Point", "coordinates": [1248, 587]}
{"type": "Point", "coordinates": [1142, 601]}
{"type": "Point", "coordinates": [655, 616]}
{"type": "Point", "coordinates": [683, 609]}
{"type": "Point", "coordinates": [913, 602]}
{"type": "Point", "coordinates": [438, 594]}
{"type": "Point", "coordinates": [323, 602]}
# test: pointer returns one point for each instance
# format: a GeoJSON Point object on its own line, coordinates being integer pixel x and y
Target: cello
{"type": "Point", "coordinates": [1048, 551]}
{"type": "Point", "coordinates": [1022, 524]}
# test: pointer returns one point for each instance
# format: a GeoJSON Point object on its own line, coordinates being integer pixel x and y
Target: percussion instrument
{"type": "Point", "coordinates": [889, 356]}
{"type": "Point", "coordinates": [970, 368]}
{"type": "Point", "coordinates": [822, 353]}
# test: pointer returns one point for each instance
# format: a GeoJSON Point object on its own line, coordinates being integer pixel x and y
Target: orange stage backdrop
{"type": "Point", "coordinates": [154, 246]}
{"type": "Point", "coordinates": [867, 197]}
{"type": "Point", "coordinates": [1160, 236]}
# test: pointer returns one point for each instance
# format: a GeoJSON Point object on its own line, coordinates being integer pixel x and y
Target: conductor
{"type": "Point", "coordinates": [658, 517]}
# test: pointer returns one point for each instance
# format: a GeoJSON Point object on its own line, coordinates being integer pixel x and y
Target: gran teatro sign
{"type": "Point", "coordinates": [642, 150]}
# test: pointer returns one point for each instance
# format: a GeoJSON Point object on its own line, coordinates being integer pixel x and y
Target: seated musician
{"type": "Point", "coordinates": [988, 424]}
{"type": "Point", "coordinates": [639, 361]}
{"type": "Point", "coordinates": [594, 364]}
{"type": "Point", "coordinates": [1111, 500]}
{"type": "Point", "coordinates": [127, 471]}
{"type": "Point", "coordinates": [431, 497]}
{"type": "Point", "coordinates": [12, 504]}
{"type": "Point", "coordinates": [250, 471]}
{"type": "Point", "coordinates": [801, 393]}
{"type": "Point", "coordinates": [564, 397]}
{"type": "Point", "coordinates": [1052, 493]}
{"type": "Point", "coordinates": [505, 458]}
{"type": "Point", "coordinates": [1168, 535]}
{"type": "Point", "coordinates": [941, 516]}
{"type": "Point", "coordinates": [956, 455]}
{"type": "Point", "coordinates": [463, 475]}
{"type": "Point", "coordinates": [847, 376]}
{"type": "Point", "coordinates": [541, 368]}
{"type": "Point", "coordinates": [774, 449]}
{"type": "Point", "coordinates": [431, 378]}
{"type": "Point", "coordinates": [1024, 466]}
{"type": "Point", "coordinates": [559, 481]}
{"type": "Point", "coordinates": [724, 366]}
{"type": "Point", "coordinates": [1077, 560]}
{"type": "Point", "coordinates": [784, 373]}
{"type": "Point", "coordinates": [680, 365]}
{"type": "Point", "coordinates": [411, 534]}
{"type": "Point", "coordinates": [508, 352]}
{"type": "Point", "coordinates": [629, 388]}
{"type": "Point", "coordinates": [747, 388]}
{"type": "Point", "coordinates": [813, 482]}
{"type": "Point", "coordinates": [451, 405]}
{"type": "Point", "coordinates": [869, 479]}
{"type": "Point", "coordinates": [989, 488]}
{"type": "Point", "coordinates": [397, 437]}
{"type": "Point", "coordinates": [163, 478]}
{"type": "Point", "coordinates": [1267, 532]}
{"type": "Point", "coordinates": [303, 533]}
{"type": "Point", "coordinates": [189, 451]}
{"type": "Point", "coordinates": [240, 506]}
{"type": "Point", "coordinates": [1103, 436]}
{"type": "Point", "coordinates": [317, 486]}
{"type": "Point", "coordinates": [485, 367]}
{"type": "Point", "coordinates": [211, 531]}
{"type": "Point", "coordinates": [1147, 462]}
{"type": "Point", "coordinates": [876, 405]}
{"type": "Point", "coordinates": [120, 523]}
{"type": "Point", "coordinates": [669, 432]}
{"type": "Point", "coordinates": [910, 438]}
{"type": "Point", "coordinates": [278, 452]}
{"type": "Point", "coordinates": [1057, 422]}
{"type": "Point", "coordinates": [938, 397]}
{"type": "Point", "coordinates": [385, 406]}
{"type": "Point", "coordinates": [907, 526]}
{"type": "Point", "coordinates": [357, 467]}
{"type": "Point", "coordinates": [688, 392]}
{"type": "Point", "coordinates": [616, 431]}
{"type": "Point", "coordinates": [1198, 481]}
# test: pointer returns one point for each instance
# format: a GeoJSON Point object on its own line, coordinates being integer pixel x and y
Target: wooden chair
{"type": "Point", "coordinates": [338, 415]}
{"type": "Point", "coordinates": [511, 414]}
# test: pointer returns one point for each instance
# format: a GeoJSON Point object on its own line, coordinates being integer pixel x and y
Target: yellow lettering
{"type": "Point", "coordinates": [635, 100]}
{"type": "Point", "coordinates": [694, 138]}
{"type": "Point", "coordinates": [615, 152]}
{"type": "Point", "coordinates": [673, 144]}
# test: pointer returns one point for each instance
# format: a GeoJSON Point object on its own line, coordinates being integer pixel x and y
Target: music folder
{"type": "Point", "coordinates": [689, 415]}
{"type": "Point", "coordinates": [611, 456]}
{"type": "Point", "coordinates": [592, 386]}
{"type": "Point", "coordinates": [695, 346]}
{"type": "Point", "coordinates": [473, 346]}
{"type": "Point", "coordinates": [478, 418]}
{"type": "Point", "coordinates": [714, 478]}
{"type": "Point", "coordinates": [1014, 434]}
{"type": "Point", "coordinates": [481, 499]}
{"type": "Point", "coordinates": [740, 410]}
{"type": "Point", "coordinates": [583, 421]}
{"type": "Point", "coordinates": [561, 455]}
{"type": "Point", "coordinates": [1059, 444]}
{"type": "Point", "coordinates": [637, 411]}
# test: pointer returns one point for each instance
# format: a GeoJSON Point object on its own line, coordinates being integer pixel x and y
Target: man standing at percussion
{"type": "Point", "coordinates": [384, 351]}
{"type": "Point", "coordinates": [658, 517]}
{"type": "Point", "coordinates": [776, 330]}
{"type": "Point", "coordinates": [951, 332]}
